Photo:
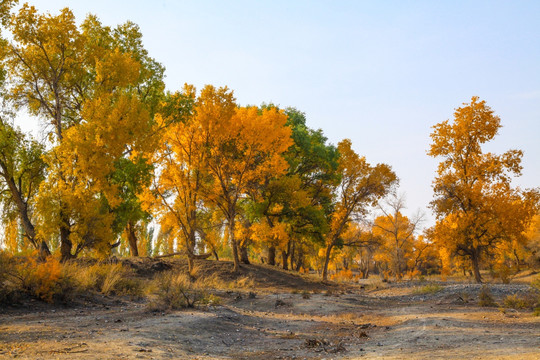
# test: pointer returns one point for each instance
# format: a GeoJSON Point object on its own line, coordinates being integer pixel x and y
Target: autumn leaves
{"type": "Point", "coordinates": [479, 215]}
{"type": "Point", "coordinates": [221, 179]}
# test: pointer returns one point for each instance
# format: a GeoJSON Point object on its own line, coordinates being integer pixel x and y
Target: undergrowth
{"type": "Point", "coordinates": [427, 289]}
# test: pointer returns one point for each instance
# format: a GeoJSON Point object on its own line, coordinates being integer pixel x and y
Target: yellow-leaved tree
{"type": "Point", "coordinates": [97, 87]}
{"type": "Point", "coordinates": [361, 186]}
{"type": "Point", "coordinates": [397, 232]}
{"type": "Point", "coordinates": [477, 209]}
{"type": "Point", "coordinates": [175, 197]}
{"type": "Point", "coordinates": [244, 146]}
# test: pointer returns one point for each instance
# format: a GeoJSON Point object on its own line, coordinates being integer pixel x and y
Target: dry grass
{"type": "Point", "coordinates": [174, 290]}
{"type": "Point", "coordinates": [107, 279]}
{"type": "Point", "coordinates": [427, 289]}
{"type": "Point", "coordinates": [485, 298]}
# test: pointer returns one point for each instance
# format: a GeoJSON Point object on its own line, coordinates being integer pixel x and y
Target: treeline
{"type": "Point", "coordinates": [222, 180]}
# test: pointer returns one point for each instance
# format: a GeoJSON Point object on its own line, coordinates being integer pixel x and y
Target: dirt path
{"type": "Point", "coordinates": [377, 324]}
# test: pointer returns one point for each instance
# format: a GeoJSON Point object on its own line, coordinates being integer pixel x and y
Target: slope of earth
{"type": "Point", "coordinates": [391, 322]}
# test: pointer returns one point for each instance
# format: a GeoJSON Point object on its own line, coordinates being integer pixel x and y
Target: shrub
{"type": "Point", "coordinates": [8, 282]}
{"type": "Point", "coordinates": [25, 275]}
{"type": "Point", "coordinates": [108, 279]}
{"type": "Point", "coordinates": [344, 275]}
{"type": "Point", "coordinates": [427, 289]}
{"type": "Point", "coordinates": [485, 298]}
{"type": "Point", "coordinates": [120, 281]}
{"type": "Point", "coordinates": [177, 291]}
{"type": "Point", "coordinates": [516, 302]}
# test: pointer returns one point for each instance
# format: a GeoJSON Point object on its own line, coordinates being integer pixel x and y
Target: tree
{"type": "Point", "coordinates": [291, 209]}
{"type": "Point", "coordinates": [476, 207]}
{"type": "Point", "coordinates": [176, 193]}
{"type": "Point", "coordinates": [361, 185]}
{"type": "Point", "coordinates": [98, 88]}
{"type": "Point", "coordinates": [397, 232]}
{"type": "Point", "coordinates": [21, 171]}
{"type": "Point", "coordinates": [244, 146]}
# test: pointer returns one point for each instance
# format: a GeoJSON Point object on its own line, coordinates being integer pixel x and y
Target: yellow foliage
{"type": "Point", "coordinates": [41, 279]}
{"type": "Point", "coordinates": [476, 207]}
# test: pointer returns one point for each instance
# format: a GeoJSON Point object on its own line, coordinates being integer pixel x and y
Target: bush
{"type": "Point", "coordinates": [485, 298]}
{"type": "Point", "coordinates": [9, 291]}
{"type": "Point", "coordinates": [25, 275]}
{"type": "Point", "coordinates": [427, 289]}
{"type": "Point", "coordinates": [517, 302]}
{"type": "Point", "coordinates": [108, 279]}
{"type": "Point", "coordinates": [178, 291]}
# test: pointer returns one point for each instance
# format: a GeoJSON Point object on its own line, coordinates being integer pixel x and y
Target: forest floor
{"type": "Point", "coordinates": [281, 316]}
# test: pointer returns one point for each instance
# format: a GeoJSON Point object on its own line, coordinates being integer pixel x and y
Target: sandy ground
{"type": "Point", "coordinates": [389, 323]}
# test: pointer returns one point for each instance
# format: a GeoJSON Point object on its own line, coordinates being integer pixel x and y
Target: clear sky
{"type": "Point", "coordinates": [378, 72]}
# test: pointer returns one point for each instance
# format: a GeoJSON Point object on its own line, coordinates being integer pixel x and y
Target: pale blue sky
{"type": "Point", "coordinates": [378, 72]}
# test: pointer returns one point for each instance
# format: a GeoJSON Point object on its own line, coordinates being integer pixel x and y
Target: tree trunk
{"type": "Point", "coordinates": [234, 246]}
{"type": "Point", "coordinates": [22, 208]}
{"type": "Point", "coordinates": [285, 259]}
{"type": "Point", "coordinates": [518, 262]}
{"type": "Point", "coordinates": [272, 255]}
{"type": "Point", "coordinates": [65, 244]}
{"type": "Point", "coordinates": [299, 259]}
{"type": "Point", "coordinates": [244, 255]}
{"type": "Point", "coordinates": [326, 261]}
{"type": "Point", "coordinates": [215, 254]}
{"type": "Point", "coordinates": [291, 246]}
{"type": "Point", "coordinates": [132, 239]}
{"type": "Point", "coordinates": [190, 263]}
{"type": "Point", "coordinates": [475, 260]}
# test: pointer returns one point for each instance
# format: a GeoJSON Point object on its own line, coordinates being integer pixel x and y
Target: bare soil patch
{"type": "Point", "coordinates": [293, 318]}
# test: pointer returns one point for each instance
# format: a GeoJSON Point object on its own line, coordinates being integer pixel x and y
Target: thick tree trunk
{"type": "Point", "coordinates": [65, 244]}
{"type": "Point", "coordinates": [132, 239]}
{"type": "Point", "coordinates": [214, 252]}
{"type": "Point", "coordinates": [285, 258]}
{"type": "Point", "coordinates": [244, 255]}
{"type": "Point", "coordinates": [475, 260]}
{"type": "Point", "coordinates": [272, 255]}
{"type": "Point", "coordinates": [326, 262]}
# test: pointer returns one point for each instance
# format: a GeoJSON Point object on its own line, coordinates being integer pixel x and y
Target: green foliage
{"type": "Point", "coordinates": [427, 289]}
{"type": "Point", "coordinates": [22, 169]}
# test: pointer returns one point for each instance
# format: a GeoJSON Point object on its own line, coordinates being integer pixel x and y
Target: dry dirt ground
{"type": "Point", "coordinates": [282, 322]}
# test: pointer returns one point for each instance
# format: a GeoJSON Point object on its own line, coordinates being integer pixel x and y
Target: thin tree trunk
{"type": "Point", "coordinates": [132, 239]}
{"type": "Point", "coordinates": [326, 261]}
{"type": "Point", "coordinates": [299, 259]}
{"type": "Point", "coordinates": [190, 263]}
{"type": "Point", "coordinates": [518, 262]}
{"type": "Point", "coordinates": [292, 246]}
{"type": "Point", "coordinates": [234, 246]}
{"type": "Point", "coordinates": [22, 208]}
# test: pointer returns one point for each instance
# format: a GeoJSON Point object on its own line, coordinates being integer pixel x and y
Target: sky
{"type": "Point", "coordinates": [380, 73]}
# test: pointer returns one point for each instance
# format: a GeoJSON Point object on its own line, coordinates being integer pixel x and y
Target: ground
{"type": "Point", "coordinates": [280, 316]}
